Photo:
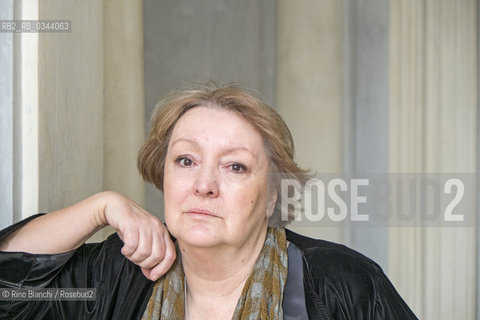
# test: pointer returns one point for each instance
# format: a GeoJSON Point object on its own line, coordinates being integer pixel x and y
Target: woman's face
{"type": "Point", "coordinates": [215, 182]}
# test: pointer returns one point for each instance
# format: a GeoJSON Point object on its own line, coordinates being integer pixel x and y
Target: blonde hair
{"type": "Point", "coordinates": [276, 135]}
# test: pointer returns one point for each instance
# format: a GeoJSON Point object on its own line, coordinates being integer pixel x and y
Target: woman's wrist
{"type": "Point", "coordinates": [100, 202]}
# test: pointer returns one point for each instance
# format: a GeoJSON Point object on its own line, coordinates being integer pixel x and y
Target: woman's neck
{"type": "Point", "coordinates": [216, 276]}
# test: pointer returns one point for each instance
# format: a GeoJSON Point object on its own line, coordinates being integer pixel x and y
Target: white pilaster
{"type": "Point", "coordinates": [433, 128]}
{"type": "Point", "coordinates": [310, 87]}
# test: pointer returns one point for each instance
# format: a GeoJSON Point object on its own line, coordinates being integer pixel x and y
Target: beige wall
{"type": "Point", "coordinates": [70, 105]}
{"type": "Point", "coordinates": [434, 128]}
{"type": "Point", "coordinates": [124, 106]}
{"type": "Point", "coordinates": [82, 104]}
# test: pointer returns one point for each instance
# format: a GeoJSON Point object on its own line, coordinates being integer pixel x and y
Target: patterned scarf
{"type": "Point", "coordinates": [261, 297]}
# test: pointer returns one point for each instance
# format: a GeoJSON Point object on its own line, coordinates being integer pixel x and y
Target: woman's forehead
{"type": "Point", "coordinates": [206, 126]}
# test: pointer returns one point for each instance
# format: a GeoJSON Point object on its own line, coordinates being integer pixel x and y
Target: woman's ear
{"type": "Point", "coordinates": [272, 200]}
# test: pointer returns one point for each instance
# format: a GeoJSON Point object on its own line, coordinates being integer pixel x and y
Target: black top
{"type": "Point", "coordinates": [338, 283]}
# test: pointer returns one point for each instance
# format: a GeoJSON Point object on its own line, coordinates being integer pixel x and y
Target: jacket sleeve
{"type": "Point", "coordinates": [100, 267]}
{"type": "Point", "coordinates": [388, 304]}
{"type": "Point", "coordinates": [354, 287]}
{"type": "Point", "coordinates": [343, 284]}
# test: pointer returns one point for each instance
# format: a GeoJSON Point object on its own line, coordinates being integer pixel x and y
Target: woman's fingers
{"type": "Point", "coordinates": [164, 265]}
{"type": "Point", "coordinates": [144, 248]}
{"type": "Point", "coordinates": [130, 238]}
{"type": "Point", "coordinates": [153, 251]}
{"type": "Point", "coordinates": [146, 240]}
{"type": "Point", "coordinates": [149, 246]}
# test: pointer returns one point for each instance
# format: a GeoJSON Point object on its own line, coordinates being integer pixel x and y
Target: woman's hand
{"type": "Point", "coordinates": [146, 240]}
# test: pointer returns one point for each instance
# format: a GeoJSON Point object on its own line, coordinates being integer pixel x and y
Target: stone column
{"type": "Point", "coordinates": [70, 105]}
{"type": "Point", "coordinates": [310, 87]}
{"type": "Point", "coordinates": [124, 106]}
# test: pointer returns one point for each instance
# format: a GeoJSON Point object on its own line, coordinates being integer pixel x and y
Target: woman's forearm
{"type": "Point", "coordinates": [62, 230]}
{"type": "Point", "coordinates": [146, 240]}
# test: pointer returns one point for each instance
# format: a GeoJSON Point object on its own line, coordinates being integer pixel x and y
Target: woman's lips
{"type": "Point", "coordinates": [201, 212]}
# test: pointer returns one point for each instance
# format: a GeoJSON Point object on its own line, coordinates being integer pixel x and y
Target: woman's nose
{"type": "Point", "coordinates": [206, 184]}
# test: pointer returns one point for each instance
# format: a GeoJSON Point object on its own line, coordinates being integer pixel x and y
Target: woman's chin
{"type": "Point", "coordinates": [199, 236]}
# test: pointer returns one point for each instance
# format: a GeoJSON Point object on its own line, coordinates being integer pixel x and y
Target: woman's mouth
{"type": "Point", "coordinates": [201, 212]}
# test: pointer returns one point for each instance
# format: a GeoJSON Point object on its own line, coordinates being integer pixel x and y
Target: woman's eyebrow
{"type": "Point", "coordinates": [235, 149]}
{"type": "Point", "coordinates": [195, 143]}
{"type": "Point", "coordinates": [228, 150]}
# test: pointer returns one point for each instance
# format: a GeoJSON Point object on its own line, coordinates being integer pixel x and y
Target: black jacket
{"type": "Point", "coordinates": [339, 283]}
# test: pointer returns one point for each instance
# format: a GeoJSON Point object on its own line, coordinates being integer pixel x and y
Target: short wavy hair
{"type": "Point", "coordinates": [277, 137]}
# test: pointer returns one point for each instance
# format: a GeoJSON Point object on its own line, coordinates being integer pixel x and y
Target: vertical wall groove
{"type": "Point", "coordinates": [27, 99]}
{"type": "Point", "coordinates": [367, 100]}
{"type": "Point", "coordinates": [6, 118]}
{"type": "Point", "coordinates": [477, 271]}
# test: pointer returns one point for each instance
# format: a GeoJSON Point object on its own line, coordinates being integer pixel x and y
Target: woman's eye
{"type": "Point", "coordinates": [184, 162]}
{"type": "Point", "coordinates": [238, 167]}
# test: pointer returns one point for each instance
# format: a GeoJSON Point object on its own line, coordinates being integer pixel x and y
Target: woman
{"type": "Point", "coordinates": [216, 153]}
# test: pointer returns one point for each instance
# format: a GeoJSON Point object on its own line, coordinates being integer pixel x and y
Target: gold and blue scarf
{"type": "Point", "coordinates": [262, 293]}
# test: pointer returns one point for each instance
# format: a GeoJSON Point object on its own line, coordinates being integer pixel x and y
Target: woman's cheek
{"type": "Point", "coordinates": [176, 184]}
{"type": "Point", "coordinates": [247, 198]}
